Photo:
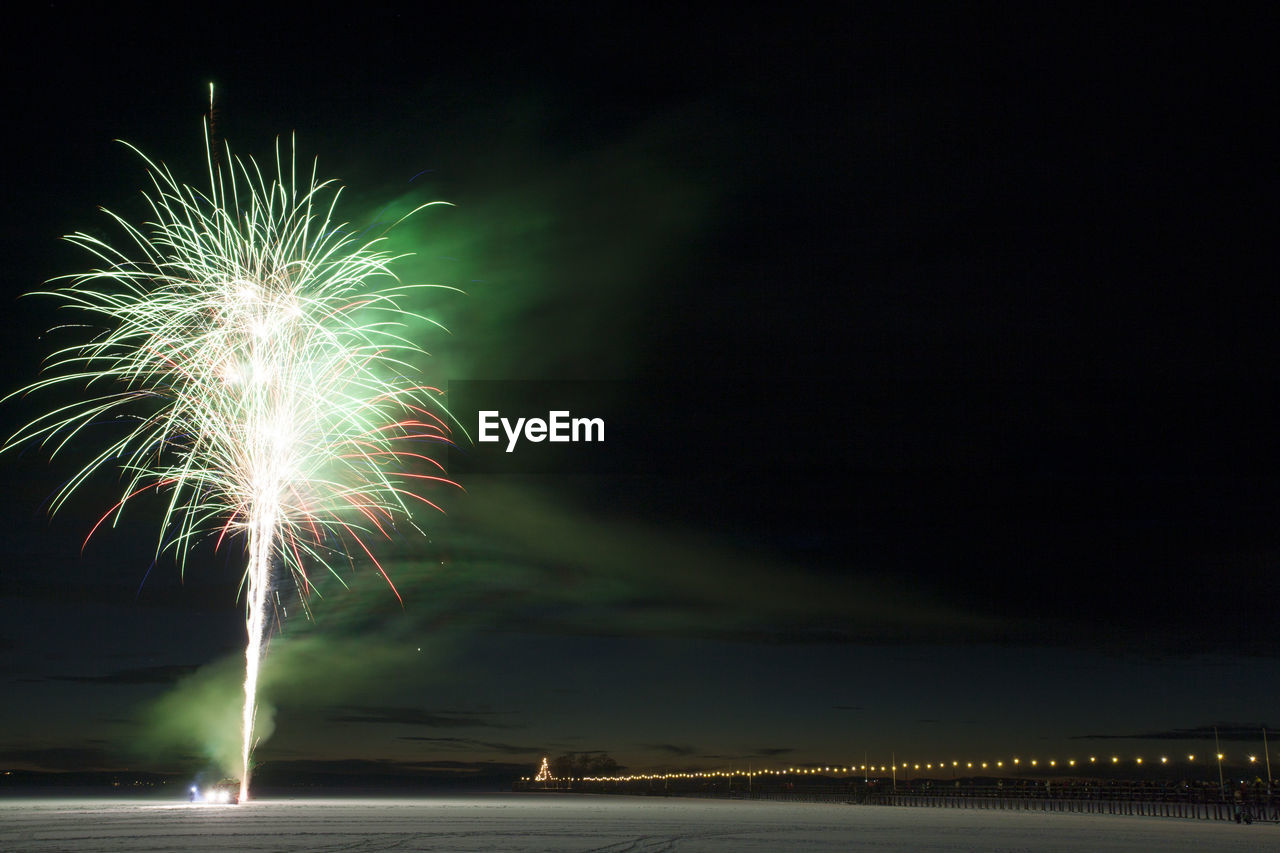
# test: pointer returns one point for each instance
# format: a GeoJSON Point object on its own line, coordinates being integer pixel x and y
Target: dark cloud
{"type": "Point", "coordinates": [416, 717]}
{"type": "Point", "coordinates": [1224, 731]}
{"type": "Point", "coordinates": [59, 758]}
{"type": "Point", "coordinates": [384, 772]}
{"type": "Point", "coordinates": [137, 675]}
{"type": "Point", "coordinates": [462, 743]}
{"type": "Point", "coordinates": [503, 770]}
{"type": "Point", "coordinates": [762, 752]}
{"type": "Point", "coordinates": [670, 748]}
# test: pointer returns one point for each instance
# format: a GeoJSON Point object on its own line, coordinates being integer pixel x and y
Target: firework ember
{"type": "Point", "coordinates": [260, 362]}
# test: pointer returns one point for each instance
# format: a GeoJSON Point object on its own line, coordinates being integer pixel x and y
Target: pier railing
{"type": "Point", "coordinates": [1173, 800]}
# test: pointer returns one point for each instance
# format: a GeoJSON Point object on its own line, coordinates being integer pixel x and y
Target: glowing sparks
{"type": "Point", "coordinates": [261, 375]}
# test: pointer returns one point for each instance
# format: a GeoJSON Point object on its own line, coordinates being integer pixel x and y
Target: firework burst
{"type": "Point", "coordinates": [259, 358]}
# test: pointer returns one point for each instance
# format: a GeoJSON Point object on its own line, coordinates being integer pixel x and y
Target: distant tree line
{"type": "Point", "coordinates": [578, 764]}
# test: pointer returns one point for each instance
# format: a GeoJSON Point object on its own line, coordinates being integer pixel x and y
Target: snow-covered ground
{"type": "Point", "coordinates": [529, 822]}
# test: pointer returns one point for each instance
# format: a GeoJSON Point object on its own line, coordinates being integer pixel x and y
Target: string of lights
{"type": "Point", "coordinates": [1013, 763]}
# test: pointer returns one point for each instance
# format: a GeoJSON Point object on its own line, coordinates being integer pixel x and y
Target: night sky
{"type": "Point", "coordinates": [943, 348]}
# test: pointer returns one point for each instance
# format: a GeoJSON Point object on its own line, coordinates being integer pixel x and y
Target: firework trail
{"type": "Point", "coordinates": [257, 355]}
